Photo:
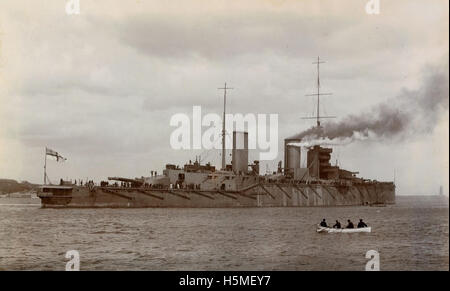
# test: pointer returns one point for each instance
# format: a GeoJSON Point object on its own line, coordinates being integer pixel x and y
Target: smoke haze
{"type": "Point", "coordinates": [411, 112]}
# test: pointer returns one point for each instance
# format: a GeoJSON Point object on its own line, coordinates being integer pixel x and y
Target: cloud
{"type": "Point", "coordinates": [222, 37]}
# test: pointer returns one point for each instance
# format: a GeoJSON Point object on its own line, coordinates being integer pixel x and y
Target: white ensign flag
{"type": "Point", "coordinates": [53, 153]}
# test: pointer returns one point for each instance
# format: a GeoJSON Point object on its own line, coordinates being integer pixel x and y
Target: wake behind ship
{"type": "Point", "coordinates": [238, 184]}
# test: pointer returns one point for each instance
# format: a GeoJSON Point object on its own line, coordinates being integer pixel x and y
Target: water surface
{"type": "Point", "coordinates": [411, 235]}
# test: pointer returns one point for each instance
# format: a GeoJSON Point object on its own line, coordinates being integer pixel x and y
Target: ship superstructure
{"type": "Point", "coordinates": [238, 184]}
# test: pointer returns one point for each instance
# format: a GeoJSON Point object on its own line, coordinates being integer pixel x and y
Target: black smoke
{"type": "Point", "coordinates": [411, 112]}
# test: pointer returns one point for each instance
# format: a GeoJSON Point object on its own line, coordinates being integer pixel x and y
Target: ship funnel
{"type": "Point", "coordinates": [240, 152]}
{"type": "Point", "coordinates": [292, 155]}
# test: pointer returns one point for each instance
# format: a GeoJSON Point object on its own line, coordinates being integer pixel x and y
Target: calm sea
{"type": "Point", "coordinates": [411, 235]}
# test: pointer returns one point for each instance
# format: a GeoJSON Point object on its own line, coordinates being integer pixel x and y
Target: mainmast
{"type": "Point", "coordinates": [318, 94]}
{"type": "Point", "coordinates": [318, 117]}
{"type": "Point", "coordinates": [225, 88]}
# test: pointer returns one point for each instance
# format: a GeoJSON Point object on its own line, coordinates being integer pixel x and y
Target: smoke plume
{"type": "Point", "coordinates": [411, 112]}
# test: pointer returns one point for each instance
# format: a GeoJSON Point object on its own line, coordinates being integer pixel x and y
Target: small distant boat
{"type": "Point", "coordinates": [322, 229]}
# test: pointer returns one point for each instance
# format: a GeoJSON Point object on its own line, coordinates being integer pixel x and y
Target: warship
{"type": "Point", "coordinates": [238, 184]}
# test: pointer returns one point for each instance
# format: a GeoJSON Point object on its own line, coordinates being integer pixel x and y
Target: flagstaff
{"type": "Point", "coordinates": [50, 152]}
{"type": "Point", "coordinates": [45, 167]}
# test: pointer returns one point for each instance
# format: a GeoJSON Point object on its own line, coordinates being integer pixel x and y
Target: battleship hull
{"type": "Point", "coordinates": [260, 195]}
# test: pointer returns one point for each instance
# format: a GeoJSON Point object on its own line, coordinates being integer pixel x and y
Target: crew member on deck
{"type": "Point", "coordinates": [337, 225]}
{"type": "Point", "coordinates": [323, 223]}
{"type": "Point", "coordinates": [361, 224]}
{"type": "Point", "coordinates": [350, 224]}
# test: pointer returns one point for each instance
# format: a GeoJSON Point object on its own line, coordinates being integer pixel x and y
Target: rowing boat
{"type": "Point", "coordinates": [344, 230]}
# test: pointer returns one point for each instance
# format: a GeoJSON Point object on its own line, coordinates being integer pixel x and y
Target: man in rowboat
{"type": "Point", "coordinates": [323, 223]}
{"type": "Point", "coordinates": [337, 225]}
{"type": "Point", "coordinates": [350, 224]}
{"type": "Point", "coordinates": [361, 224]}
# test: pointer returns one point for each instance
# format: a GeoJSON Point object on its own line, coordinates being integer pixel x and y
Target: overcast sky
{"type": "Point", "coordinates": [100, 87]}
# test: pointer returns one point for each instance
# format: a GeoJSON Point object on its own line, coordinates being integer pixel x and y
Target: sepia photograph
{"type": "Point", "coordinates": [209, 137]}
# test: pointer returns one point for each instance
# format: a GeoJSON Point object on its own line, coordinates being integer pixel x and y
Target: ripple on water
{"type": "Point", "coordinates": [412, 235]}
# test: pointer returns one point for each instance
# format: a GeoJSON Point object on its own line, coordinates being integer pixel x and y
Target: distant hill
{"type": "Point", "coordinates": [11, 186]}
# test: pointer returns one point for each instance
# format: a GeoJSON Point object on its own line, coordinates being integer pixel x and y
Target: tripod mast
{"type": "Point", "coordinates": [225, 88]}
